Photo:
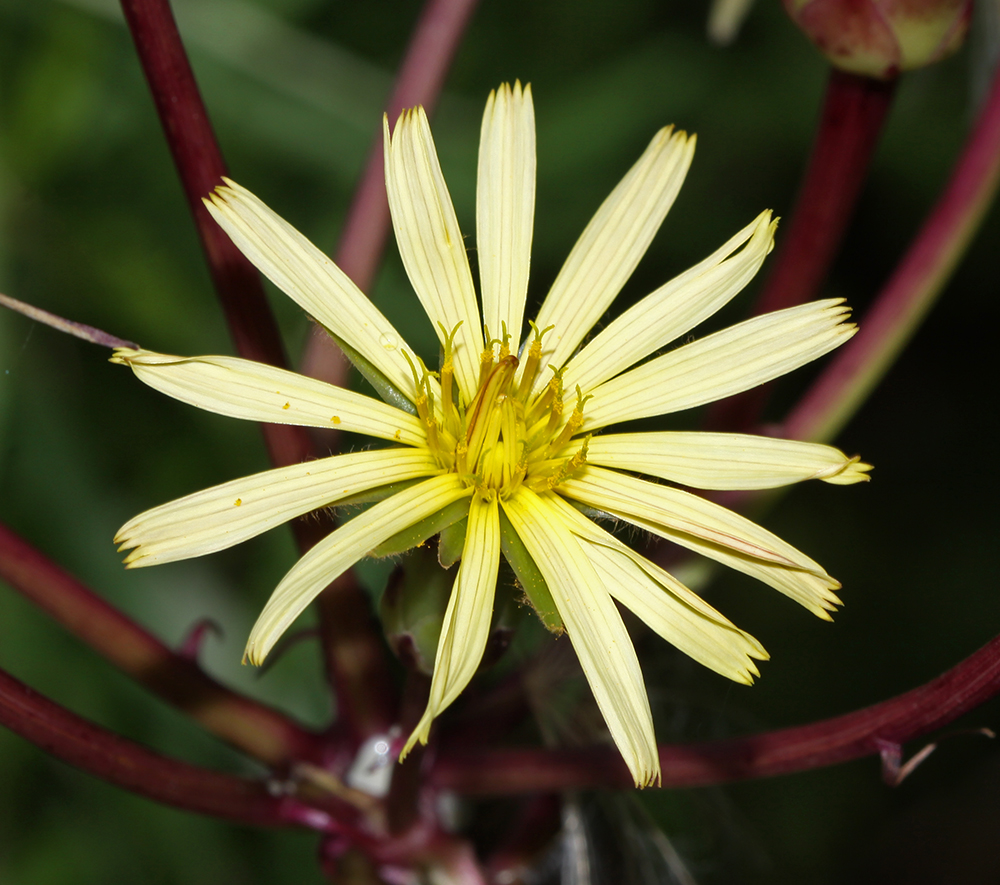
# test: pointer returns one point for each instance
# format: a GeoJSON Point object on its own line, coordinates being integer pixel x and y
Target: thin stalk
{"type": "Point", "coordinates": [356, 665]}
{"type": "Point", "coordinates": [200, 167]}
{"type": "Point", "coordinates": [865, 732]}
{"type": "Point", "coordinates": [357, 662]}
{"type": "Point", "coordinates": [432, 47]}
{"type": "Point", "coordinates": [133, 767]}
{"type": "Point", "coordinates": [851, 121]}
{"type": "Point", "coordinates": [252, 727]}
{"type": "Point", "coordinates": [403, 801]}
{"type": "Point", "coordinates": [917, 281]}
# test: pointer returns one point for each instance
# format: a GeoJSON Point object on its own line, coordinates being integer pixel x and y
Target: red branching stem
{"type": "Point", "coordinates": [254, 728]}
{"type": "Point", "coordinates": [200, 166]}
{"type": "Point", "coordinates": [133, 767]}
{"type": "Point", "coordinates": [854, 110]}
{"type": "Point", "coordinates": [421, 76]}
{"type": "Point", "coordinates": [862, 733]}
{"type": "Point", "coordinates": [911, 290]}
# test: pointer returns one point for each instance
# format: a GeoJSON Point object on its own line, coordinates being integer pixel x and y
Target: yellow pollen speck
{"type": "Point", "coordinates": [335, 419]}
{"type": "Point", "coordinates": [237, 502]}
{"type": "Point", "coordinates": [286, 406]}
{"type": "Point", "coordinates": [398, 435]}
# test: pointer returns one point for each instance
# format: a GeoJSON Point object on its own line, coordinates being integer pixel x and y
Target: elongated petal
{"type": "Point", "coordinates": [466, 626]}
{"type": "Point", "coordinates": [665, 606]}
{"type": "Point", "coordinates": [336, 553]}
{"type": "Point", "coordinates": [709, 529]}
{"type": "Point", "coordinates": [743, 356]}
{"type": "Point", "coordinates": [505, 207]}
{"type": "Point", "coordinates": [676, 613]}
{"type": "Point", "coordinates": [673, 309]}
{"type": "Point", "coordinates": [310, 278]}
{"type": "Point", "coordinates": [430, 241]}
{"type": "Point", "coordinates": [724, 460]}
{"type": "Point", "coordinates": [228, 514]}
{"type": "Point", "coordinates": [612, 244]}
{"type": "Point", "coordinates": [258, 392]}
{"type": "Point", "coordinates": [594, 627]}
{"type": "Point", "coordinates": [681, 512]}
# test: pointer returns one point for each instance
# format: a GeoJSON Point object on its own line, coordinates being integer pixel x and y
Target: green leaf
{"type": "Point", "coordinates": [380, 493]}
{"type": "Point", "coordinates": [413, 607]}
{"type": "Point", "coordinates": [421, 531]}
{"type": "Point", "coordinates": [529, 577]}
{"type": "Point", "coordinates": [383, 386]}
{"type": "Point", "coordinates": [451, 543]}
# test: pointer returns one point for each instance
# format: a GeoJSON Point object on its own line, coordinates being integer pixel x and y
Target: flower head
{"type": "Point", "coordinates": [506, 434]}
{"type": "Point", "coordinates": [880, 38]}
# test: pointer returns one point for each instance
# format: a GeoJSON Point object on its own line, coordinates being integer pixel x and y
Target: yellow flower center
{"type": "Point", "coordinates": [503, 436]}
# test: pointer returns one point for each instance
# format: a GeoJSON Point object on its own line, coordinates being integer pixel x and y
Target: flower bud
{"type": "Point", "coordinates": [880, 38]}
{"type": "Point", "coordinates": [413, 608]}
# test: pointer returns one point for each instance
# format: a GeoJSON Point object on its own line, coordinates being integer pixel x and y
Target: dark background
{"type": "Point", "coordinates": [93, 226]}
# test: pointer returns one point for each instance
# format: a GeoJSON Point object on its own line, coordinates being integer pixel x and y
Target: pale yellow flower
{"type": "Point", "coordinates": [507, 442]}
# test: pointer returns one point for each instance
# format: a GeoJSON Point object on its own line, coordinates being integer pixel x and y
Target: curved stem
{"type": "Point", "coordinates": [355, 657]}
{"type": "Point", "coordinates": [917, 281]}
{"type": "Point", "coordinates": [862, 733]}
{"type": "Point", "coordinates": [135, 768]}
{"type": "Point", "coordinates": [254, 728]}
{"type": "Point", "coordinates": [854, 111]}
{"type": "Point", "coordinates": [200, 167]}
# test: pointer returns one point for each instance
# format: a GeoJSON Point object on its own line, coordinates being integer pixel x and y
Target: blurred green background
{"type": "Point", "coordinates": [93, 226]}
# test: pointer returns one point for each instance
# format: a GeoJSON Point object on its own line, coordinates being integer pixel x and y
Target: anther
{"type": "Point", "coordinates": [574, 424]}
{"type": "Point", "coordinates": [532, 361]}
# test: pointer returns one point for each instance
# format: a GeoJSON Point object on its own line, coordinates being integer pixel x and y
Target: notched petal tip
{"type": "Point", "coordinates": [136, 559]}
{"type": "Point", "coordinates": [253, 655]}
{"type": "Point", "coordinates": [420, 735]}
{"type": "Point", "coordinates": [645, 779]}
{"type": "Point", "coordinates": [123, 356]}
{"type": "Point", "coordinates": [853, 470]}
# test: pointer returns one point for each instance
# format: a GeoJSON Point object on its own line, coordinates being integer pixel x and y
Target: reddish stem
{"type": "Point", "coordinates": [252, 727]}
{"type": "Point", "coordinates": [200, 167]}
{"type": "Point", "coordinates": [133, 767]}
{"type": "Point", "coordinates": [854, 110]}
{"type": "Point", "coordinates": [911, 290]}
{"type": "Point", "coordinates": [862, 733]}
{"type": "Point", "coordinates": [356, 660]}
{"type": "Point", "coordinates": [428, 57]}
{"type": "Point", "coordinates": [421, 76]}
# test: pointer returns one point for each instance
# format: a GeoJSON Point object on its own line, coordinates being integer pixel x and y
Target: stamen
{"type": "Point", "coordinates": [420, 398]}
{"type": "Point", "coordinates": [571, 465]}
{"type": "Point", "coordinates": [485, 358]}
{"type": "Point", "coordinates": [531, 363]}
{"type": "Point", "coordinates": [425, 407]}
{"type": "Point", "coordinates": [462, 461]}
{"type": "Point", "coordinates": [447, 375]}
{"type": "Point", "coordinates": [504, 343]}
{"type": "Point", "coordinates": [481, 409]}
{"type": "Point", "coordinates": [573, 425]}
{"type": "Point", "coordinates": [551, 394]}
